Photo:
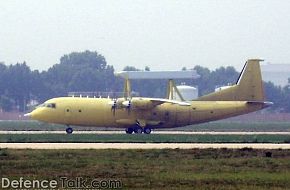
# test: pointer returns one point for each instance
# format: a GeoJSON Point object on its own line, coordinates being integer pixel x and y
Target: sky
{"type": "Point", "coordinates": [164, 35]}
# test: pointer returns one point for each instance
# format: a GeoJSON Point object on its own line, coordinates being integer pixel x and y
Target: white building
{"type": "Point", "coordinates": [187, 92]}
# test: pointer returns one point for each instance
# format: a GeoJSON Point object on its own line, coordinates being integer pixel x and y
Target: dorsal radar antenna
{"type": "Point", "coordinates": [127, 88]}
{"type": "Point", "coordinates": [171, 87]}
{"type": "Point", "coordinates": [170, 75]}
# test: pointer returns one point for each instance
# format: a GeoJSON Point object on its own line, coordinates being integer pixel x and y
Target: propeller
{"type": "Point", "coordinates": [118, 103]}
{"type": "Point", "coordinates": [127, 104]}
{"type": "Point", "coordinates": [114, 106]}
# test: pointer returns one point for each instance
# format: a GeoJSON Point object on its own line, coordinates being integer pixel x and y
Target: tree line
{"type": "Point", "coordinates": [88, 71]}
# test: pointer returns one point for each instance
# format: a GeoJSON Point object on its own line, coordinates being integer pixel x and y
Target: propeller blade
{"type": "Point", "coordinates": [114, 106]}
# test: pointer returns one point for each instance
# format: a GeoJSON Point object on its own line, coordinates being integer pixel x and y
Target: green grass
{"type": "Point", "coordinates": [238, 126]}
{"type": "Point", "coordinates": [156, 138]}
{"type": "Point", "coordinates": [212, 126]}
{"type": "Point", "coordinates": [156, 169]}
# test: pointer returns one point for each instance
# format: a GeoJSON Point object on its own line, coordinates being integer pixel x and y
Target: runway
{"type": "Point", "coordinates": [153, 132]}
{"type": "Point", "coordinates": [142, 145]}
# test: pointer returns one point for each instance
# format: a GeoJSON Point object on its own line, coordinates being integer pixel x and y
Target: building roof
{"type": "Point", "coordinates": [190, 74]}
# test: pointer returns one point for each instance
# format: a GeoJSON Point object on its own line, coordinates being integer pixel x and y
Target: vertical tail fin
{"type": "Point", "coordinates": [249, 86]}
{"type": "Point", "coordinates": [250, 81]}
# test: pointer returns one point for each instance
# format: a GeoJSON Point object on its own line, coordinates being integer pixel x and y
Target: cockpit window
{"type": "Point", "coordinates": [51, 105]}
{"type": "Point", "coordinates": [47, 105]}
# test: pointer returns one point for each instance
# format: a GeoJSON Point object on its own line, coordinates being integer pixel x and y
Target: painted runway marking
{"type": "Point", "coordinates": [142, 145]}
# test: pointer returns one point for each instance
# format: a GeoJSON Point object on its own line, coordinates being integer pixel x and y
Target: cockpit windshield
{"type": "Point", "coordinates": [51, 105]}
{"type": "Point", "coordinates": [48, 105]}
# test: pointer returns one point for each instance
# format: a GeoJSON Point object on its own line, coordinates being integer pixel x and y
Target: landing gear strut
{"type": "Point", "coordinates": [69, 130]}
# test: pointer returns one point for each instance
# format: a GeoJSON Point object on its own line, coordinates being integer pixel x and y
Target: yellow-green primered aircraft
{"type": "Point", "coordinates": [140, 114]}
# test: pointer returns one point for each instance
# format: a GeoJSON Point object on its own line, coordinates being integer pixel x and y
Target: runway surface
{"type": "Point", "coordinates": [142, 145]}
{"type": "Point", "coordinates": [153, 132]}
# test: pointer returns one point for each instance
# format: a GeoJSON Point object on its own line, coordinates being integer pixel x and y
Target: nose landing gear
{"type": "Point", "coordinates": [69, 130]}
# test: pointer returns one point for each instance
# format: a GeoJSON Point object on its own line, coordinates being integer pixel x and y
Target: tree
{"type": "Point", "coordinates": [79, 71]}
{"type": "Point", "coordinates": [88, 71]}
{"type": "Point", "coordinates": [130, 68]}
{"type": "Point", "coordinates": [203, 83]}
{"type": "Point", "coordinates": [209, 80]}
{"type": "Point", "coordinates": [147, 68]}
{"type": "Point", "coordinates": [274, 94]}
{"type": "Point", "coordinates": [6, 103]}
{"type": "Point", "coordinates": [19, 88]}
{"type": "Point", "coordinates": [3, 81]}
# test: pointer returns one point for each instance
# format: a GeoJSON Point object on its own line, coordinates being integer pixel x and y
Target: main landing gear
{"type": "Point", "coordinates": [69, 130]}
{"type": "Point", "coordinates": [138, 130]}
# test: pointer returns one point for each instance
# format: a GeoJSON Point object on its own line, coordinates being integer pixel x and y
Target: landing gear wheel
{"type": "Point", "coordinates": [147, 130]}
{"type": "Point", "coordinates": [138, 130]}
{"type": "Point", "coordinates": [129, 130]}
{"type": "Point", "coordinates": [69, 130]}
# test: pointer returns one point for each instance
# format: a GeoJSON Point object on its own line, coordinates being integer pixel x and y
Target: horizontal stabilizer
{"type": "Point", "coordinates": [263, 103]}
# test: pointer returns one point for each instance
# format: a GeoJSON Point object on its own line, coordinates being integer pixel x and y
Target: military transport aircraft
{"type": "Point", "coordinates": [141, 114]}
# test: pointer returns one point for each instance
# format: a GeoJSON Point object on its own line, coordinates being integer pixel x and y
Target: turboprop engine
{"type": "Point", "coordinates": [134, 103]}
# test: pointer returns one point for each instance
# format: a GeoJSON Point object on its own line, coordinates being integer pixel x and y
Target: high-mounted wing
{"type": "Point", "coordinates": [162, 101]}
{"type": "Point", "coordinates": [149, 103]}
{"type": "Point", "coordinates": [143, 103]}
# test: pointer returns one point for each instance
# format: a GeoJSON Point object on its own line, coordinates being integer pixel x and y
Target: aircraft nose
{"type": "Point", "coordinates": [27, 115]}
{"type": "Point", "coordinates": [32, 115]}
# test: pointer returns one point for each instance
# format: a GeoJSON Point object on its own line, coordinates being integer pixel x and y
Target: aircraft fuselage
{"type": "Point", "coordinates": [98, 112]}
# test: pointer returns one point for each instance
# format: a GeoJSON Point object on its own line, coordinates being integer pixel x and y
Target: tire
{"type": "Point", "coordinates": [147, 130]}
{"type": "Point", "coordinates": [69, 130]}
{"type": "Point", "coordinates": [129, 130]}
{"type": "Point", "coordinates": [138, 130]}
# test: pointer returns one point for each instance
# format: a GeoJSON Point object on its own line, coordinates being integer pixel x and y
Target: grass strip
{"type": "Point", "coordinates": [155, 169]}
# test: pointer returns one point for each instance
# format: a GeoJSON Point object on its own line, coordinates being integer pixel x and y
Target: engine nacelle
{"type": "Point", "coordinates": [139, 103]}
{"type": "Point", "coordinates": [134, 103]}
{"type": "Point", "coordinates": [119, 102]}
